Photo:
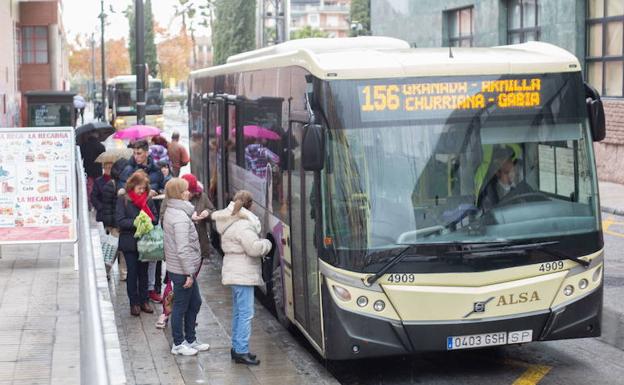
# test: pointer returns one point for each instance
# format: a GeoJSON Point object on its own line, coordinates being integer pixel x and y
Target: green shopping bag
{"type": "Point", "coordinates": [151, 246]}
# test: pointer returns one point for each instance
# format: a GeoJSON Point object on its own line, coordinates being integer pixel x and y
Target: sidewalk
{"type": "Point", "coordinates": [146, 350]}
{"type": "Point", "coordinates": [612, 198]}
{"type": "Point", "coordinates": [612, 205]}
{"type": "Point", "coordinates": [39, 315]}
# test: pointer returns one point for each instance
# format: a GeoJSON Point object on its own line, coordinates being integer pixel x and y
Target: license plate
{"type": "Point", "coordinates": [488, 339]}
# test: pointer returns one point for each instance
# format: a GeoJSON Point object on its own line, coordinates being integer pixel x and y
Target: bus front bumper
{"type": "Point", "coordinates": [350, 335]}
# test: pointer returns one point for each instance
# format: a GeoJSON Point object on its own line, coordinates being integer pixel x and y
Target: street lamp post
{"type": "Point", "coordinates": [102, 18]}
{"type": "Point", "coordinates": [93, 86]}
{"type": "Point", "coordinates": [140, 61]}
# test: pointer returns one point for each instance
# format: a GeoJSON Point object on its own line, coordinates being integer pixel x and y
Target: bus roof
{"type": "Point", "coordinates": [383, 57]}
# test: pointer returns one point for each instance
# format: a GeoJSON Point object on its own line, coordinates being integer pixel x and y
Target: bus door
{"type": "Point", "coordinates": [205, 145]}
{"type": "Point", "coordinates": [217, 131]}
{"type": "Point", "coordinates": [303, 230]}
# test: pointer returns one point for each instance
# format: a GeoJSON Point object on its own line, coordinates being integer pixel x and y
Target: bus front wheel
{"type": "Point", "coordinates": [279, 297]}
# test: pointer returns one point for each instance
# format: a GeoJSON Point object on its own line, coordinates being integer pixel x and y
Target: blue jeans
{"type": "Point", "coordinates": [136, 282]}
{"type": "Point", "coordinates": [242, 314]}
{"type": "Point", "coordinates": [186, 304]}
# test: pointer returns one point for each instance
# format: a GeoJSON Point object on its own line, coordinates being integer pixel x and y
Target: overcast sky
{"type": "Point", "coordinates": [81, 17]}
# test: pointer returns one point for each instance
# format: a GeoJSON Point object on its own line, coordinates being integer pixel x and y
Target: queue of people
{"type": "Point", "coordinates": [126, 190]}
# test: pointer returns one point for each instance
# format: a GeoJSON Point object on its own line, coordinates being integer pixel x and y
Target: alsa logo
{"type": "Point", "coordinates": [516, 298]}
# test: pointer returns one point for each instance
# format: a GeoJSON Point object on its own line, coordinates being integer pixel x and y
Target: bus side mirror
{"type": "Point", "coordinates": [312, 154]}
{"type": "Point", "coordinates": [595, 113]}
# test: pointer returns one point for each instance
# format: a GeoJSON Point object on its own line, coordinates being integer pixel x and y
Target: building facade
{"type": "Point", "coordinates": [203, 52]}
{"type": "Point", "coordinates": [329, 16]}
{"type": "Point", "coordinates": [10, 97]}
{"type": "Point", "coordinates": [593, 30]}
{"type": "Point", "coordinates": [42, 48]}
{"type": "Point", "coordinates": [34, 55]}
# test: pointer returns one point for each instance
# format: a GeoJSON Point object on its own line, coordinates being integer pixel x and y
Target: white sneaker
{"type": "Point", "coordinates": [200, 347]}
{"type": "Point", "coordinates": [183, 349]}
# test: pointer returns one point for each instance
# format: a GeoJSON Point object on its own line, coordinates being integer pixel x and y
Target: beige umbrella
{"type": "Point", "coordinates": [111, 156]}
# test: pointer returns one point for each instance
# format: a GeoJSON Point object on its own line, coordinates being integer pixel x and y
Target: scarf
{"type": "Point", "coordinates": [140, 201]}
{"type": "Point", "coordinates": [106, 178]}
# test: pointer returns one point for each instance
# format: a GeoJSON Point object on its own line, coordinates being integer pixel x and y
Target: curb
{"type": "Point", "coordinates": [612, 328]}
{"type": "Point", "coordinates": [612, 210]}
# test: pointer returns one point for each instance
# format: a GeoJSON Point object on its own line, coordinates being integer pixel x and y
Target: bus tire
{"type": "Point", "coordinates": [279, 299]}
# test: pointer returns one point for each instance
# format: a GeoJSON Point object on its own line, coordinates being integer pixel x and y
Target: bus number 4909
{"type": "Point", "coordinates": [401, 278]}
{"type": "Point", "coordinates": [551, 266]}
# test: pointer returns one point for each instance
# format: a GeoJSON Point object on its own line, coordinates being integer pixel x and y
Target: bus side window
{"type": "Point", "coordinates": [262, 142]}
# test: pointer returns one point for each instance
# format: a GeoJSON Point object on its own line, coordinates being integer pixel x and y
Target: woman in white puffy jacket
{"type": "Point", "coordinates": [242, 268]}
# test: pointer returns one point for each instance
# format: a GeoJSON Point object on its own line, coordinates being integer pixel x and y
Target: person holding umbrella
{"type": "Point", "coordinates": [90, 150]}
{"type": "Point", "coordinates": [142, 161]}
{"type": "Point", "coordinates": [79, 107]}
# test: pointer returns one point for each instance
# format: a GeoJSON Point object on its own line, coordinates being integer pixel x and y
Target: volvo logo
{"type": "Point", "coordinates": [478, 307]}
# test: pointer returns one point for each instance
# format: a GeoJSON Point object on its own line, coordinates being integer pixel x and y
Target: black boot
{"type": "Point", "coordinates": [233, 354]}
{"type": "Point", "coordinates": [245, 359]}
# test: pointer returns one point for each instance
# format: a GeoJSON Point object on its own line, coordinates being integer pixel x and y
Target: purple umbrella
{"type": "Point", "coordinates": [136, 132]}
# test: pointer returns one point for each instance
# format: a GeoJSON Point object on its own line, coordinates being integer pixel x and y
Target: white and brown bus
{"type": "Point", "coordinates": [371, 164]}
{"type": "Point", "coordinates": [121, 93]}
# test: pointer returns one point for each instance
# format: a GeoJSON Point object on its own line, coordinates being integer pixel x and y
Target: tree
{"type": "Point", "coordinates": [129, 12]}
{"type": "Point", "coordinates": [306, 32]}
{"type": "Point", "coordinates": [117, 60]}
{"type": "Point", "coordinates": [188, 11]}
{"type": "Point", "coordinates": [234, 28]}
{"type": "Point", "coordinates": [151, 56]}
{"type": "Point", "coordinates": [173, 54]}
{"type": "Point", "coordinates": [360, 17]}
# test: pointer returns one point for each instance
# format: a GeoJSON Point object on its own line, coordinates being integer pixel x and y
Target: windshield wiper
{"type": "Point", "coordinates": [403, 253]}
{"type": "Point", "coordinates": [518, 249]}
{"type": "Point", "coordinates": [368, 281]}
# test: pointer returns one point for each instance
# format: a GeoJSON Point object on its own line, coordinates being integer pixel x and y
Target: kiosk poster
{"type": "Point", "coordinates": [37, 179]}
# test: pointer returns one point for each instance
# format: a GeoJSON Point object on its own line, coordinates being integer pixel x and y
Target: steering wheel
{"type": "Point", "coordinates": [526, 197]}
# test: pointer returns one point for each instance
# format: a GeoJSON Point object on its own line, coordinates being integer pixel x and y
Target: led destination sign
{"type": "Point", "coordinates": [399, 101]}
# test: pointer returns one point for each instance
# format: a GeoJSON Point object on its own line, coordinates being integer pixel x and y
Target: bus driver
{"type": "Point", "coordinates": [503, 182]}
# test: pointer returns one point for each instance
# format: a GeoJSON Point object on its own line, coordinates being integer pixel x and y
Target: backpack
{"type": "Point", "coordinates": [184, 157]}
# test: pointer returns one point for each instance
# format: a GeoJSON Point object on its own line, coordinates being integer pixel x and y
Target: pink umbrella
{"type": "Point", "coordinates": [254, 132]}
{"type": "Point", "coordinates": [260, 133]}
{"type": "Point", "coordinates": [136, 132]}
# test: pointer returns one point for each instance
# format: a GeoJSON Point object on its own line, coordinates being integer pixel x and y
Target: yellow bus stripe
{"type": "Point", "coordinates": [533, 375]}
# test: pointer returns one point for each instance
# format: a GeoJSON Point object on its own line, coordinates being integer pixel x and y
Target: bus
{"type": "Point", "coordinates": [371, 163]}
{"type": "Point", "coordinates": [121, 94]}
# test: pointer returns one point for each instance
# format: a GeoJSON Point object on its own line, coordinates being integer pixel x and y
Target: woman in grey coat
{"type": "Point", "coordinates": [183, 256]}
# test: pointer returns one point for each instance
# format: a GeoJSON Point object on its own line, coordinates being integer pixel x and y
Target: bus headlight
{"type": "Point", "coordinates": [160, 119]}
{"type": "Point", "coordinates": [362, 301]}
{"type": "Point", "coordinates": [119, 121]}
{"type": "Point", "coordinates": [583, 283]}
{"type": "Point", "coordinates": [379, 305]}
{"type": "Point", "coordinates": [342, 293]}
{"type": "Point", "coordinates": [568, 290]}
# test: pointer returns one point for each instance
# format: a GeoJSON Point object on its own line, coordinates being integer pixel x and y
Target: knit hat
{"type": "Point", "coordinates": [192, 182]}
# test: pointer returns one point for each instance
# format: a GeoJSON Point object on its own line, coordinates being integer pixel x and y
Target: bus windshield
{"type": "Point", "coordinates": [514, 165]}
{"type": "Point", "coordinates": [125, 94]}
